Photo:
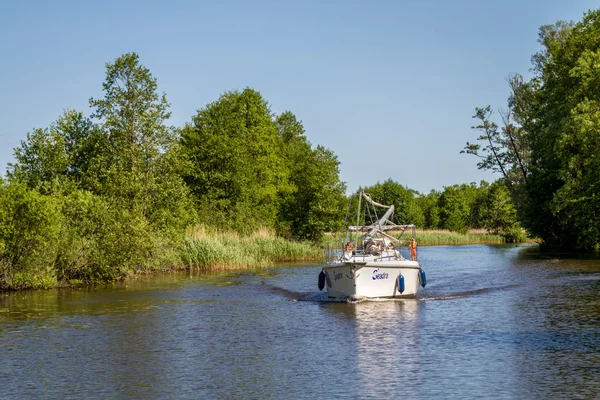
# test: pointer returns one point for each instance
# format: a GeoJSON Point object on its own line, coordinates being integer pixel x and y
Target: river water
{"type": "Point", "coordinates": [493, 322]}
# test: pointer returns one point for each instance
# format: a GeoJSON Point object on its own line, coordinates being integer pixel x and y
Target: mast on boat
{"type": "Point", "coordinates": [381, 225]}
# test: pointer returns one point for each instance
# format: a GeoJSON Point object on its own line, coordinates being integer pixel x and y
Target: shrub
{"type": "Point", "coordinates": [29, 235]}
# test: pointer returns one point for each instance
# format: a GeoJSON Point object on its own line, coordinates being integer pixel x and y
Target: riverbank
{"type": "Point", "coordinates": [217, 251]}
{"type": "Point", "coordinates": [440, 237]}
{"type": "Point", "coordinates": [201, 249]}
{"type": "Point", "coordinates": [209, 250]}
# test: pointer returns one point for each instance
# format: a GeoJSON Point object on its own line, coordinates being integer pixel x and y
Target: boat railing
{"type": "Point", "coordinates": [333, 253]}
{"type": "Point", "coordinates": [380, 237]}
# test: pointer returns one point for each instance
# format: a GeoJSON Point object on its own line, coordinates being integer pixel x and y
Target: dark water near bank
{"type": "Point", "coordinates": [493, 322]}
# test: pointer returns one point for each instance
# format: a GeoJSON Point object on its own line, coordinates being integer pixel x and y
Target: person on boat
{"type": "Point", "coordinates": [348, 246]}
{"type": "Point", "coordinates": [413, 249]}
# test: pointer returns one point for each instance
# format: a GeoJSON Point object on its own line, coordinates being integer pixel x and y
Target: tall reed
{"type": "Point", "coordinates": [433, 237]}
{"type": "Point", "coordinates": [444, 237]}
{"type": "Point", "coordinates": [212, 250]}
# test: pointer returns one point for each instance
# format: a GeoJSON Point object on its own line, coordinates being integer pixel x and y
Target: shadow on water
{"type": "Point", "coordinates": [298, 296]}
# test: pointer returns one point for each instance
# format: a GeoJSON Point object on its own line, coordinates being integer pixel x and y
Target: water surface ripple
{"type": "Point", "coordinates": [493, 322]}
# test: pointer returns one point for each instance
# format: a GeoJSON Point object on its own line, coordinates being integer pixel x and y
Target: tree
{"type": "Point", "coordinates": [41, 158]}
{"type": "Point", "coordinates": [314, 202]}
{"type": "Point", "coordinates": [407, 209]}
{"type": "Point", "coordinates": [498, 212]}
{"type": "Point", "coordinates": [133, 114]}
{"type": "Point", "coordinates": [505, 150]}
{"type": "Point", "coordinates": [554, 135]}
{"type": "Point", "coordinates": [236, 168]}
{"type": "Point", "coordinates": [29, 236]}
{"type": "Point", "coordinates": [68, 151]}
{"type": "Point", "coordinates": [455, 206]}
{"type": "Point", "coordinates": [564, 140]}
{"type": "Point", "coordinates": [430, 209]}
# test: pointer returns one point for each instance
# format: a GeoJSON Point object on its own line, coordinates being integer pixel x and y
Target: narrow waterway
{"type": "Point", "coordinates": [493, 322]}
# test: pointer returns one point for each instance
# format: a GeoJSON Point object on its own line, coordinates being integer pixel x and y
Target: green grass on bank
{"type": "Point", "coordinates": [209, 250]}
{"type": "Point", "coordinates": [217, 251]}
{"type": "Point", "coordinates": [438, 237]}
{"type": "Point", "coordinates": [435, 237]}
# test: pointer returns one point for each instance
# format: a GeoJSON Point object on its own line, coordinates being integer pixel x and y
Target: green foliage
{"type": "Point", "coordinates": [429, 207]}
{"type": "Point", "coordinates": [108, 195]}
{"type": "Point", "coordinates": [211, 250]}
{"type": "Point", "coordinates": [445, 237]}
{"type": "Point", "coordinates": [133, 114]}
{"type": "Point", "coordinates": [29, 235]}
{"type": "Point", "coordinates": [40, 159]}
{"type": "Point", "coordinates": [68, 151]}
{"type": "Point", "coordinates": [499, 214]}
{"type": "Point", "coordinates": [458, 208]}
{"type": "Point", "coordinates": [455, 204]}
{"type": "Point", "coordinates": [235, 162]}
{"type": "Point", "coordinates": [74, 237]}
{"type": "Point", "coordinates": [564, 139]}
{"type": "Point", "coordinates": [405, 201]}
{"type": "Point", "coordinates": [315, 202]}
{"type": "Point", "coordinates": [495, 150]}
{"type": "Point", "coordinates": [247, 169]}
{"type": "Point", "coordinates": [101, 243]}
{"type": "Point", "coordinates": [548, 149]}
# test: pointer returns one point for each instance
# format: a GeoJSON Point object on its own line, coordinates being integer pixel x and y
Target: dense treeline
{"type": "Point", "coordinates": [246, 167]}
{"type": "Point", "coordinates": [457, 208]}
{"type": "Point", "coordinates": [98, 198]}
{"type": "Point", "coordinates": [546, 147]}
{"type": "Point", "coordinates": [93, 199]}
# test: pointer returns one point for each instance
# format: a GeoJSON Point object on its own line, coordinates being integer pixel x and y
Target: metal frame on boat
{"type": "Point", "coordinates": [367, 261]}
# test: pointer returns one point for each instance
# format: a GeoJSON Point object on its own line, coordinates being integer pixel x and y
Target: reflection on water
{"type": "Point", "coordinates": [513, 323]}
{"type": "Point", "coordinates": [387, 335]}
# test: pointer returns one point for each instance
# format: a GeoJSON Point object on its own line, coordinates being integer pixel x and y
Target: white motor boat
{"type": "Point", "coordinates": [370, 263]}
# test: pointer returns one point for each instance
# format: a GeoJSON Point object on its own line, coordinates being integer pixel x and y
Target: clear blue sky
{"type": "Point", "coordinates": [389, 86]}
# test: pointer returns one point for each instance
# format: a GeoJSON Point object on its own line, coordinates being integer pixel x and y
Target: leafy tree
{"type": "Point", "coordinates": [429, 207]}
{"type": "Point", "coordinates": [235, 164]}
{"type": "Point", "coordinates": [554, 132]}
{"type": "Point", "coordinates": [133, 114]}
{"type": "Point", "coordinates": [29, 235]}
{"type": "Point", "coordinates": [41, 158]}
{"type": "Point", "coordinates": [314, 202]}
{"type": "Point", "coordinates": [498, 212]}
{"type": "Point", "coordinates": [407, 209]}
{"type": "Point", "coordinates": [455, 206]}
{"type": "Point", "coordinates": [67, 151]}
{"type": "Point", "coordinates": [564, 139]}
{"type": "Point", "coordinates": [93, 200]}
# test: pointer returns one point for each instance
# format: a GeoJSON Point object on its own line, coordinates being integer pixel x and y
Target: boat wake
{"type": "Point", "coordinates": [468, 293]}
{"type": "Point", "coordinates": [321, 297]}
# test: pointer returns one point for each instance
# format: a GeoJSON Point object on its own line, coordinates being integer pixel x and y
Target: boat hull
{"type": "Point", "coordinates": [372, 279]}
